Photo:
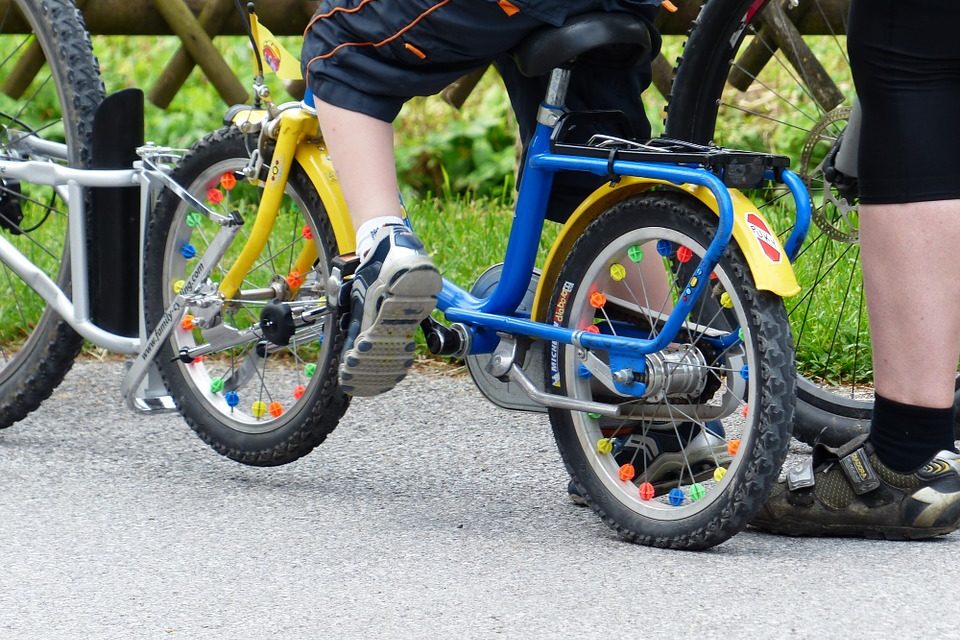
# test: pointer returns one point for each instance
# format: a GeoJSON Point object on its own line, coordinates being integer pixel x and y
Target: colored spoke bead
{"type": "Point", "coordinates": [232, 398]}
{"type": "Point", "coordinates": [583, 372]}
{"type": "Point", "coordinates": [309, 369]}
{"type": "Point", "coordinates": [604, 446]}
{"type": "Point", "coordinates": [214, 195]}
{"type": "Point", "coordinates": [697, 491]}
{"type": "Point", "coordinates": [193, 219]}
{"type": "Point", "coordinates": [684, 254]}
{"type": "Point", "coordinates": [188, 251]}
{"type": "Point", "coordinates": [598, 300]}
{"type": "Point", "coordinates": [635, 253]}
{"type": "Point", "coordinates": [713, 275]}
{"type": "Point", "coordinates": [740, 334]}
{"type": "Point", "coordinates": [647, 492]}
{"type": "Point", "coordinates": [664, 248]}
{"type": "Point", "coordinates": [228, 181]}
{"type": "Point", "coordinates": [726, 301]}
{"type": "Point", "coordinates": [618, 445]}
{"type": "Point", "coordinates": [592, 329]}
{"type": "Point", "coordinates": [298, 391]}
{"type": "Point", "coordinates": [617, 272]}
{"type": "Point", "coordinates": [677, 496]}
{"type": "Point", "coordinates": [216, 385]}
{"type": "Point", "coordinates": [745, 372]}
{"type": "Point", "coordinates": [627, 472]}
{"type": "Point", "coordinates": [178, 286]}
{"type": "Point", "coordinates": [258, 409]}
{"type": "Point", "coordinates": [733, 447]}
{"type": "Point", "coordinates": [593, 416]}
{"type": "Point", "coordinates": [187, 323]}
{"type": "Point", "coordinates": [276, 409]}
{"type": "Point", "coordinates": [294, 280]}
{"type": "Point", "coordinates": [745, 411]}
{"type": "Point", "coordinates": [719, 474]}
{"type": "Point", "coordinates": [307, 232]}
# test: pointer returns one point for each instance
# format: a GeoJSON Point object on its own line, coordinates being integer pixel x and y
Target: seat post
{"type": "Point", "coordinates": [553, 105]}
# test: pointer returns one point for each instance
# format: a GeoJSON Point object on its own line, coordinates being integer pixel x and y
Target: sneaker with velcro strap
{"type": "Point", "coordinates": [848, 491]}
{"type": "Point", "coordinates": [394, 288]}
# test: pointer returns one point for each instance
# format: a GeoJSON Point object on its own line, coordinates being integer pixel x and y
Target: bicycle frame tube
{"type": "Point", "coordinates": [522, 244]}
{"type": "Point", "coordinates": [459, 306]}
{"type": "Point", "coordinates": [295, 126]}
{"type": "Point", "coordinates": [76, 311]}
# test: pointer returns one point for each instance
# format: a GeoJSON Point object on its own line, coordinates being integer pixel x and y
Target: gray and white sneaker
{"type": "Point", "coordinates": [393, 290]}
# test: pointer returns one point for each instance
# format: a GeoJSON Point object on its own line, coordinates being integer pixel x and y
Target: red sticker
{"type": "Point", "coordinates": [768, 242]}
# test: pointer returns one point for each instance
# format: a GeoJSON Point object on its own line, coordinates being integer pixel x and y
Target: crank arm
{"type": "Point", "coordinates": [224, 336]}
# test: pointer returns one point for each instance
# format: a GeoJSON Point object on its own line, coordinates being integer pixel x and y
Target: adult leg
{"type": "Point", "coordinates": [904, 480]}
{"type": "Point", "coordinates": [910, 268]}
{"type": "Point", "coordinates": [911, 264]}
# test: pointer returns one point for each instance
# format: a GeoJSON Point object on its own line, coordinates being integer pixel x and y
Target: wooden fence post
{"type": "Point", "coordinates": [211, 19]}
{"type": "Point", "coordinates": [200, 47]}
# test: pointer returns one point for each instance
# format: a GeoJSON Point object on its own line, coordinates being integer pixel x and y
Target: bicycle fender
{"type": "Point", "coordinates": [765, 256]}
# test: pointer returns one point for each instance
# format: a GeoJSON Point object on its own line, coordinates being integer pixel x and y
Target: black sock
{"type": "Point", "coordinates": [906, 436]}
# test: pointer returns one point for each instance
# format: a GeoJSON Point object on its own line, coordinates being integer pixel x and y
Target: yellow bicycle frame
{"type": "Point", "coordinates": [297, 141]}
{"type": "Point", "coordinates": [298, 130]}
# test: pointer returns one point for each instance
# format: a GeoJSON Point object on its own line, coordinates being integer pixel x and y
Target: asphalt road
{"type": "Point", "coordinates": [429, 513]}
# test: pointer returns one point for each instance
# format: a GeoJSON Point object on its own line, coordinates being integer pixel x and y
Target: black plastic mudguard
{"type": "Point", "coordinates": [113, 225]}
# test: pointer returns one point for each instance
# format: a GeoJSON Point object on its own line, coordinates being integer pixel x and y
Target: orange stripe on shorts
{"type": "Point", "coordinates": [508, 7]}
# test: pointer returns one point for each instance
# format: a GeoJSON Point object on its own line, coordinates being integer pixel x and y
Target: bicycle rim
{"type": "Point", "coordinates": [257, 401]}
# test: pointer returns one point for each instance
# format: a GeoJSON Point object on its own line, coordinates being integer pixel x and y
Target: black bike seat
{"type": "Point", "coordinates": [552, 47]}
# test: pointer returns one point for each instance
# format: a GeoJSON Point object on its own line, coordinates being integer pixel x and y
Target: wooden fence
{"type": "Point", "coordinates": [197, 22]}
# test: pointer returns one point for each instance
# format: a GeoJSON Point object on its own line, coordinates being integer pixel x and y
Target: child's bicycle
{"type": "Point", "coordinates": [654, 335]}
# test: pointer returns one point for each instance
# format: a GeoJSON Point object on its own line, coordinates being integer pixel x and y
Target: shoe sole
{"type": "Point", "coordinates": [383, 352]}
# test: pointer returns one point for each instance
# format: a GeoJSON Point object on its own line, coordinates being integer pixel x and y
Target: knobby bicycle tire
{"type": "Point", "coordinates": [37, 347]}
{"type": "Point", "coordinates": [287, 396]}
{"type": "Point", "coordinates": [693, 474]}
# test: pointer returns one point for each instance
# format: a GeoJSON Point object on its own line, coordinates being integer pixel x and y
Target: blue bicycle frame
{"type": "Point", "coordinates": [484, 317]}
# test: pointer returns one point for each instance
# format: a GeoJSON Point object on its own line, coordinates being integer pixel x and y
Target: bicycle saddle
{"type": "Point", "coordinates": [552, 47]}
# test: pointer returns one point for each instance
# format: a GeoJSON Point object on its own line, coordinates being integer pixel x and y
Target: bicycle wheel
{"type": "Point", "coordinates": [748, 79]}
{"type": "Point", "coordinates": [49, 90]}
{"type": "Point", "coordinates": [257, 401]}
{"type": "Point", "coordinates": [698, 453]}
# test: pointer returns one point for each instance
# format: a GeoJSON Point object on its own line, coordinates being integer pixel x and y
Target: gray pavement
{"type": "Point", "coordinates": [429, 513]}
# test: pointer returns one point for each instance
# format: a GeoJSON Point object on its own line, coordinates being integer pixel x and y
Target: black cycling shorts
{"type": "Point", "coordinates": [905, 56]}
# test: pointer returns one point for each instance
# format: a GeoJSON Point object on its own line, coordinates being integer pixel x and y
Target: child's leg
{"type": "Point", "coordinates": [363, 60]}
{"type": "Point", "coordinates": [396, 283]}
{"type": "Point", "coordinates": [362, 151]}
